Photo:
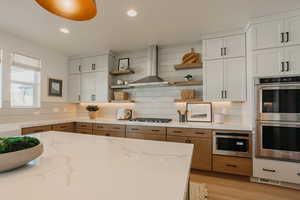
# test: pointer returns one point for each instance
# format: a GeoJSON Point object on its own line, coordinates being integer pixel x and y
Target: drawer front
{"type": "Point", "coordinates": [84, 131]}
{"type": "Point", "coordinates": [80, 125]}
{"type": "Point", "coordinates": [190, 132]}
{"type": "Point", "coordinates": [232, 165]}
{"type": "Point", "coordinates": [109, 133]}
{"type": "Point", "coordinates": [277, 170]}
{"type": "Point", "coordinates": [109, 127]}
{"type": "Point", "coordinates": [68, 127]}
{"type": "Point", "coordinates": [36, 129]}
{"type": "Point", "coordinates": [152, 130]}
{"type": "Point", "coordinates": [146, 136]}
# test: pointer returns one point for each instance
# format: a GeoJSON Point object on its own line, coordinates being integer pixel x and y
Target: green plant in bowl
{"type": "Point", "coordinates": [13, 144]}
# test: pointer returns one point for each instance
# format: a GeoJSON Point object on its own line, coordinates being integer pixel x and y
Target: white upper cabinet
{"type": "Point", "coordinates": [234, 46]}
{"type": "Point", "coordinates": [89, 79]}
{"type": "Point", "coordinates": [97, 63]}
{"type": "Point", "coordinates": [268, 62]}
{"type": "Point", "coordinates": [292, 31]}
{"type": "Point", "coordinates": [75, 66]}
{"type": "Point", "coordinates": [74, 88]}
{"type": "Point", "coordinates": [224, 69]}
{"type": "Point", "coordinates": [213, 48]}
{"type": "Point", "coordinates": [235, 79]}
{"type": "Point", "coordinates": [225, 47]}
{"type": "Point", "coordinates": [268, 34]}
{"type": "Point", "coordinates": [213, 81]}
{"type": "Point", "coordinates": [94, 87]}
{"type": "Point", "coordinates": [292, 60]}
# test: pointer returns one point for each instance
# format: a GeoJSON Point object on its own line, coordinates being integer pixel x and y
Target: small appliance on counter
{"type": "Point", "coordinates": [124, 114]}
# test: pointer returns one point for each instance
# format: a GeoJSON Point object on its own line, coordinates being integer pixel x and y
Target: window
{"type": "Point", "coordinates": [25, 81]}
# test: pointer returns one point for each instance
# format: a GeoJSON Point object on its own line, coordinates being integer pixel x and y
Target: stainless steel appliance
{"type": "Point", "coordinates": [152, 120]}
{"type": "Point", "coordinates": [278, 118]}
{"type": "Point", "coordinates": [278, 140]}
{"type": "Point", "coordinates": [232, 144]}
{"type": "Point", "coordinates": [279, 99]}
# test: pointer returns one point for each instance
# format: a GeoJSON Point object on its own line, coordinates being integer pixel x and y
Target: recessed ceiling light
{"type": "Point", "coordinates": [64, 30]}
{"type": "Point", "coordinates": [132, 13]}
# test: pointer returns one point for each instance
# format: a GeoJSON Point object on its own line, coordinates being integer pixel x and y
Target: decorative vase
{"type": "Point", "coordinates": [93, 115]}
{"type": "Point", "coordinates": [13, 160]}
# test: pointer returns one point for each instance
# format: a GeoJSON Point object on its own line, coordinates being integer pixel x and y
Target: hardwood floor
{"type": "Point", "coordinates": [228, 187]}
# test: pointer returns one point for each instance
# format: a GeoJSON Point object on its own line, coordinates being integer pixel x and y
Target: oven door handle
{"type": "Point", "coordinates": [233, 137]}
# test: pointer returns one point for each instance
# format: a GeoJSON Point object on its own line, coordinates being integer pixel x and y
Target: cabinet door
{"type": "Point", "coordinates": [213, 48]}
{"type": "Point", "coordinates": [101, 87]}
{"type": "Point", "coordinates": [292, 60]}
{"type": "Point", "coordinates": [89, 64]}
{"type": "Point", "coordinates": [88, 87]}
{"type": "Point", "coordinates": [145, 136]}
{"type": "Point", "coordinates": [74, 88]}
{"type": "Point", "coordinates": [235, 79]}
{"type": "Point", "coordinates": [202, 154]}
{"type": "Point", "coordinates": [268, 34]}
{"type": "Point", "coordinates": [292, 28]}
{"type": "Point", "coordinates": [234, 46]}
{"type": "Point", "coordinates": [268, 62]}
{"type": "Point", "coordinates": [75, 66]}
{"type": "Point", "coordinates": [213, 80]}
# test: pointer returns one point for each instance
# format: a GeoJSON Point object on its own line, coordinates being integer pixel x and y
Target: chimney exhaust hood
{"type": "Point", "coordinates": [152, 78]}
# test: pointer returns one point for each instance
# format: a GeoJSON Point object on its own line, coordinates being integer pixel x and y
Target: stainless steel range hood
{"type": "Point", "coordinates": [152, 78]}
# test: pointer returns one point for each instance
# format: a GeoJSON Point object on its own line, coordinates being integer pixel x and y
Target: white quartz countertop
{"type": "Point", "coordinates": [76, 166]}
{"type": "Point", "coordinates": [226, 126]}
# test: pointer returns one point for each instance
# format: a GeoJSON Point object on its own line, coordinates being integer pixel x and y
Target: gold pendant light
{"type": "Point", "coordinates": [78, 10]}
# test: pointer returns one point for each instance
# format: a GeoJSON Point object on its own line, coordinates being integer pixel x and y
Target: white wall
{"type": "Point", "coordinates": [54, 65]}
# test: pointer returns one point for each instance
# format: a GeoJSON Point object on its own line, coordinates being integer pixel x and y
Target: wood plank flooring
{"type": "Point", "coordinates": [228, 187]}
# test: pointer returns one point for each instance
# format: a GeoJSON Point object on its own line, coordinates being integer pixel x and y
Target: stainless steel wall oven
{"type": "Point", "coordinates": [278, 118]}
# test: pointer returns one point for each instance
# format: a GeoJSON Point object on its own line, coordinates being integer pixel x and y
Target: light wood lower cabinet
{"type": "Point", "coordinates": [109, 133]}
{"type": "Point", "coordinates": [84, 128]}
{"type": "Point", "coordinates": [146, 136]}
{"type": "Point", "coordinates": [146, 133]}
{"type": "Point", "coordinates": [65, 127]}
{"type": "Point", "coordinates": [232, 165]}
{"type": "Point", "coordinates": [37, 129]}
{"type": "Point", "coordinates": [202, 155]}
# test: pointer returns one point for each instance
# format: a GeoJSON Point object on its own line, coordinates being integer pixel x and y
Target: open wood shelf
{"type": "Point", "coordinates": [188, 66]}
{"type": "Point", "coordinates": [187, 83]}
{"type": "Point", "coordinates": [120, 87]}
{"type": "Point", "coordinates": [121, 101]}
{"type": "Point", "coordinates": [188, 100]}
{"type": "Point", "coordinates": [121, 72]}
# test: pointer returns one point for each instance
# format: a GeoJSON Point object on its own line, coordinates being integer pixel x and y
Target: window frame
{"type": "Point", "coordinates": [36, 84]}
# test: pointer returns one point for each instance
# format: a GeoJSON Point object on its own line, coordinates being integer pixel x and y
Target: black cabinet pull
{"type": "Point", "coordinates": [287, 66]}
{"type": "Point", "coordinates": [269, 170]}
{"type": "Point", "coordinates": [298, 174]}
{"type": "Point", "coordinates": [282, 66]}
{"type": "Point", "coordinates": [199, 133]}
{"type": "Point", "coordinates": [36, 131]}
{"type": "Point", "coordinates": [79, 68]}
{"type": "Point", "coordinates": [287, 37]}
{"type": "Point", "coordinates": [177, 131]}
{"type": "Point", "coordinates": [155, 130]}
{"type": "Point", "coordinates": [222, 94]}
{"type": "Point", "coordinates": [282, 37]}
{"type": "Point", "coordinates": [225, 94]}
{"type": "Point", "coordinates": [230, 165]}
{"type": "Point", "coordinates": [93, 66]}
{"type": "Point", "coordinates": [188, 141]}
{"type": "Point", "coordinates": [135, 129]}
{"type": "Point", "coordinates": [225, 51]}
{"type": "Point", "coordinates": [221, 51]}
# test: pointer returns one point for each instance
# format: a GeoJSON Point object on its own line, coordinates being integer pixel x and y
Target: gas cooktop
{"type": "Point", "coordinates": [152, 120]}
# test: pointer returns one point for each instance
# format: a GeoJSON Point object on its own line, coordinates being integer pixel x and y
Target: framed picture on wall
{"type": "Point", "coordinates": [124, 64]}
{"type": "Point", "coordinates": [55, 87]}
{"type": "Point", "coordinates": [199, 112]}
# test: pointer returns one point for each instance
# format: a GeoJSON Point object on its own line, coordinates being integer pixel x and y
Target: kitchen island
{"type": "Point", "coordinates": [76, 166]}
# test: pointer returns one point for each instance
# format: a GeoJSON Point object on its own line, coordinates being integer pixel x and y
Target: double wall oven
{"type": "Point", "coordinates": [278, 118]}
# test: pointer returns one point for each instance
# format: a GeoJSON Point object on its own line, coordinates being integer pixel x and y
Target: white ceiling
{"type": "Point", "coordinates": [159, 21]}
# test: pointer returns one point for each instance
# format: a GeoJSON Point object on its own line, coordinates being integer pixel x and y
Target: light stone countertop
{"type": "Point", "coordinates": [226, 126]}
{"type": "Point", "coordinates": [76, 166]}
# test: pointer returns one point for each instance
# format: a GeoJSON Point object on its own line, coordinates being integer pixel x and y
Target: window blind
{"type": "Point", "coordinates": [22, 61]}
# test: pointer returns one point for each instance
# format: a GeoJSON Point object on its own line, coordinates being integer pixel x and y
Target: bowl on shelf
{"type": "Point", "coordinates": [18, 158]}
